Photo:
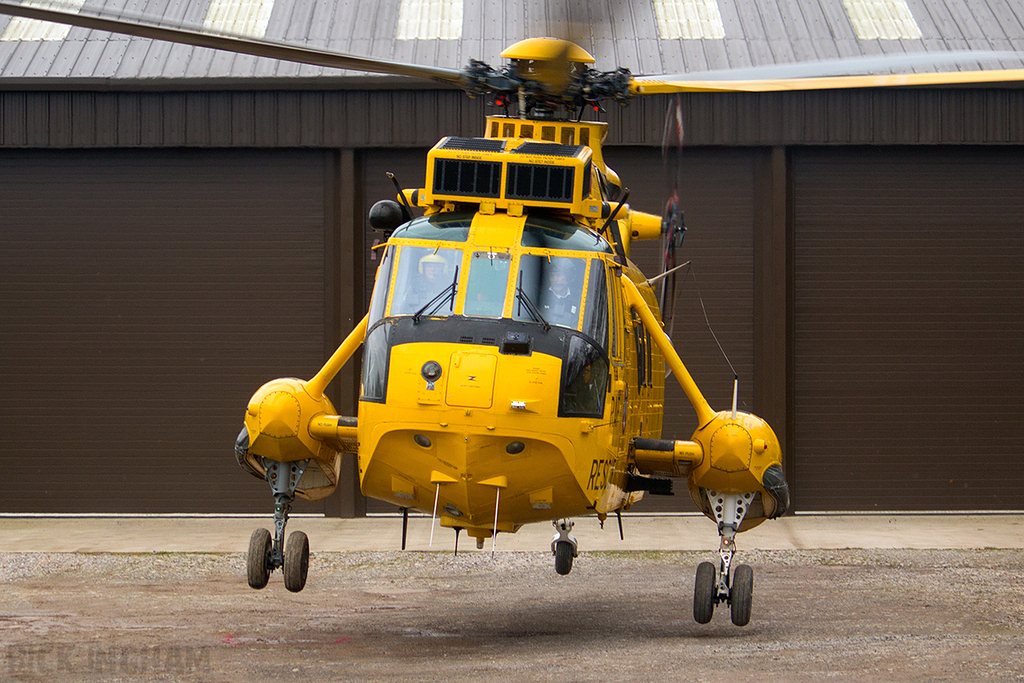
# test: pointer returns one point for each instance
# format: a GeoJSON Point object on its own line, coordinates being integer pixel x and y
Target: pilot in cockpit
{"type": "Point", "coordinates": [560, 302]}
{"type": "Point", "coordinates": [430, 280]}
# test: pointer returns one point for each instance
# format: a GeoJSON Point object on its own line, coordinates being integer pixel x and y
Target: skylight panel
{"type": "Point", "coordinates": [20, 28]}
{"type": "Point", "coordinates": [429, 20]}
{"type": "Point", "coordinates": [882, 19]}
{"type": "Point", "coordinates": [689, 19]}
{"type": "Point", "coordinates": [239, 17]}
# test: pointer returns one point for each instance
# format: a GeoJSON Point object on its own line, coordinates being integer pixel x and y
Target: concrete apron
{"type": "Point", "coordinates": [642, 532]}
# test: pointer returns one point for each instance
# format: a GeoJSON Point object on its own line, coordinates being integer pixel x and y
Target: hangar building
{"type": "Point", "coordinates": [180, 225]}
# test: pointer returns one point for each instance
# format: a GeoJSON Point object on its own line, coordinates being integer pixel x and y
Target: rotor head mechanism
{"type": "Point", "coordinates": [547, 78]}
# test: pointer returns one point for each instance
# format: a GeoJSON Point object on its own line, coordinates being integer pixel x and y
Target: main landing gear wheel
{"type": "Point", "coordinates": [563, 557]}
{"type": "Point", "coordinates": [732, 585]}
{"type": "Point", "coordinates": [704, 593]}
{"type": "Point", "coordinates": [268, 552]}
{"type": "Point", "coordinates": [258, 563]}
{"type": "Point", "coordinates": [741, 594]}
{"type": "Point", "coordinates": [296, 561]}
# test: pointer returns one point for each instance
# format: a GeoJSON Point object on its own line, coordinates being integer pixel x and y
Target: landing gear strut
{"type": "Point", "coordinates": [734, 587]}
{"type": "Point", "coordinates": [266, 555]}
{"type": "Point", "coordinates": [564, 546]}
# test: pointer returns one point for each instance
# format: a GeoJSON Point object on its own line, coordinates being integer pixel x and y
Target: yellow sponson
{"type": "Point", "coordinates": [542, 49]}
{"type": "Point", "coordinates": [278, 418]}
{"type": "Point", "coordinates": [675, 458]}
{"type": "Point", "coordinates": [338, 431]}
{"type": "Point", "coordinates": [644, 226]}
{"type": "Point", "coordinates": [737, 452]}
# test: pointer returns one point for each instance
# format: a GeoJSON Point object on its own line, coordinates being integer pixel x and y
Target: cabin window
{"type": "Point", "coordinates": [640, 337]}
{"type": "Point", "coordinates": [487, 283]}
{"type": "Point", "coordinates": [584, 380]}
{"type": "Point", "coordinates": [427, 281]}
{"type": "Point", "coordinates": [550, 287]}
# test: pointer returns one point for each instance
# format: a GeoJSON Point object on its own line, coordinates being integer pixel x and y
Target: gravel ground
{"type": "Point", "coordinates": [847, 615]}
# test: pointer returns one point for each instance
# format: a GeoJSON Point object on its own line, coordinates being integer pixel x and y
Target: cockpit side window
{"type": "Point", "coordinates": [595, 320]}
{"type": "Point", "coordinates": [487, 283]}
{"type": "Point", "coordinates": [381, 285]}
{"type": "Point", "coordinates": [425, 274]}
{"type": "Point", "coordinates": [584, 380]}
{"type": "Point", "coordinates": [552, 285]}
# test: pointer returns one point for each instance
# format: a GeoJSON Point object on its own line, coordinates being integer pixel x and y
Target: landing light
{"type": "Point", "coordinates": [421, 441]}
{"type": "Point", "coordinates": [452, 510]}
{"type": "Point", "coordinates": [431, 370]}
{"type": "Point", "coordinates": [515, 447]}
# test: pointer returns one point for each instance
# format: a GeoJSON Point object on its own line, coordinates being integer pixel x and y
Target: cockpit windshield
{"type": "Point", "coordinates": [427, 277]}
{"type": "Point", "coordinates": [551, 285]}
{"type": "Point", "coordinates": [550, 232]}
{"type": "Point", "coordinates": [450, 227]}
{"type": "Point", "coordinates": [487, 283]}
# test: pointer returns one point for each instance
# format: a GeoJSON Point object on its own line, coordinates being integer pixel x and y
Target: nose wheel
{"type": "Point", "coordinates": [725, 585]}
{"type": "Point", "coordinates": [268, 553]}
{"type": "Point", "coordinates": [564, 546]}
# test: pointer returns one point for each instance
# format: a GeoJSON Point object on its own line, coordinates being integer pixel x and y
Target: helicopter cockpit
{"type": "Point", "coordinates": [545, 290]}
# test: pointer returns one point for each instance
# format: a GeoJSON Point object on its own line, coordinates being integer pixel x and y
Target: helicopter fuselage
{"type": "Point", "coordinates": [509, 370]}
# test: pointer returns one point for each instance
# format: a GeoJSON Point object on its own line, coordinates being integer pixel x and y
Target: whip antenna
{"type": "Point", "coordinates": [707, 321]}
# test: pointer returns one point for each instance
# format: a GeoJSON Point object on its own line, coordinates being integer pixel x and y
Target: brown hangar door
{"type": "Point", "coordinates": [908, 328]}
{"type": "Point", "coordinates": [144, 295]}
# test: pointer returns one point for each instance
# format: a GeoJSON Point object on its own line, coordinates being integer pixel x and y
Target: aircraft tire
{"type": "Point", "coordinates": [563, 557]}
{"type": "Point", "coordinates": [742, 592]}
{"type": "Point", "coordinates": [296, 561]}
{"type": "Point", "coordinates": [704, 593]}
{"type": "Point", "coordinates": [258, 562]}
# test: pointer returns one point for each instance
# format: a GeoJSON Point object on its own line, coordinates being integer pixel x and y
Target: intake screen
{"type": "Point", "coordinates": [540, 183]}
{"type": "Point", "coordinates": [467, 178]}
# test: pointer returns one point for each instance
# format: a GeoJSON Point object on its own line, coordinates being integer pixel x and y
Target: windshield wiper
{"type": "Point", "coordinates": [523, 298]}
{"type": "Point", "coordinates": [444, 296]}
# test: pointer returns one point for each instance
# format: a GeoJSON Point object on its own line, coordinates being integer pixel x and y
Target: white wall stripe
{"type": "Point", "coordinates": [20, 28]}
{"type": "Point", "coordinates": [689, 19]}
{"type": "Point", "coordinates": [429, 20]}
{"type": "Point", "coordinates": [240, 17]}
{"type": "Point", "coordinates": [882, 19]}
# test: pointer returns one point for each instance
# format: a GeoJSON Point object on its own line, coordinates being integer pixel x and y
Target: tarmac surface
{"type": "Point", "coordinates": [187, 534]}
{"type": "Point", "coordinates": [836, 597]}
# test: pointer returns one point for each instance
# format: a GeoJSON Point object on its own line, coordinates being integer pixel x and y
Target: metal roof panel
{"type": "Point", "coordinates": [631, 34]}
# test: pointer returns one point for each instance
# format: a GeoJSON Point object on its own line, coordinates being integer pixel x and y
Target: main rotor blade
{"type": "Point", "coordinates": [232, 43]}
{"type": "Point", "coordinates": [652, 86]}
{"type": "Point", "coordinates": [837, 73]}
{"type": "Point", "coordinates": [846, 66]}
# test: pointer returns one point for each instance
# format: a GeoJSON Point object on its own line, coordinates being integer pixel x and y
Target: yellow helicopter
{"type": "Point", "coordinates": [514, 358]}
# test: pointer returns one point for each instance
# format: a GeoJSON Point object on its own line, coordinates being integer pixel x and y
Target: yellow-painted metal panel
{"type": "Point", "coordinates": [471, 383]}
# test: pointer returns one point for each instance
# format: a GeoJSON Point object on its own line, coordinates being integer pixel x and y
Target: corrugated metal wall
{"type": "Point", "coordinates": [909, 325]}
{"type": "Point", "coordinates": [245, 199]}
{"type": "Point", "coordinates": [418, 118]}
{"type": "Point", "coordinates": [144, 296]}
